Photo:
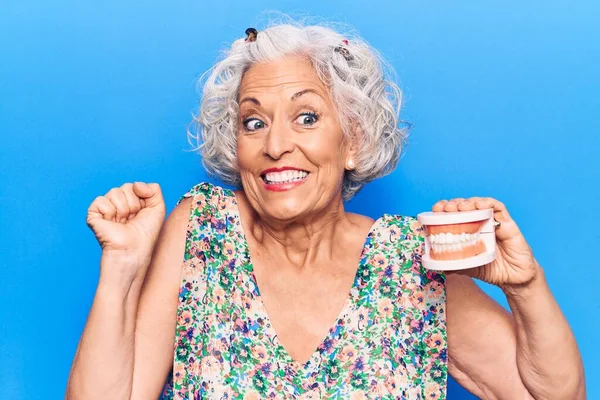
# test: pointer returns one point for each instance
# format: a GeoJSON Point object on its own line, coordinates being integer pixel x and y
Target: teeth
{"type": "Point", "coordinates": [442, 242]}
{"type": "Point", "coordinates": [285, 176]}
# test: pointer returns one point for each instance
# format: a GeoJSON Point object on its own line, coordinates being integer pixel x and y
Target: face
{"type": "Point", "coordinates": [291, 149]}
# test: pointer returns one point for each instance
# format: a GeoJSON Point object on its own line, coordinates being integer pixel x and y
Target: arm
{"type": "Point", "coordinates": [156, 317]}
{"type": "Point", "coordinates": [496, 356]}
{"type": "Point", "coordinates": [125, 351]}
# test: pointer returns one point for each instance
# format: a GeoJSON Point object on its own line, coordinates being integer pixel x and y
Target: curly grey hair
{"type": "Point", "coordinates": [366, 98]}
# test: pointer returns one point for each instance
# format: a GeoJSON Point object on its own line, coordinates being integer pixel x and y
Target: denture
{"type": "Point", "coordinates": [458, 240]}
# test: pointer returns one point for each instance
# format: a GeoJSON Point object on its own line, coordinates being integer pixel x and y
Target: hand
{"type": "Point", "coordinates": [514, 264]}
{"type": "Point", "coordinates": [127, 222]}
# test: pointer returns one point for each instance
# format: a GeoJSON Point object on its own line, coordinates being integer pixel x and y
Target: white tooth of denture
{"type": "Point", "coordinates": [442, 242]}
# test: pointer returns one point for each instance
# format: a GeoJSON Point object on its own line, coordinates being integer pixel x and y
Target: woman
{"type": "Point", "coordinates": [282, 293]}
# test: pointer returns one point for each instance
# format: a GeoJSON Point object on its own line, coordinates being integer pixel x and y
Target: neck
{"type": "Point", "coordinates": [305, 241]}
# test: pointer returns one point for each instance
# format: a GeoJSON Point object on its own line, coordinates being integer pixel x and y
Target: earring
{"type": "Point", "coordinates": [350, 164]}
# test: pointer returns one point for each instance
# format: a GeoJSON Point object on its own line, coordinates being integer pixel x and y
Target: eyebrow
{"type": "Point", "coordinates": [251, 100]}
{"type": "Point", "coordinates": [294, 96]}
{"type": "Point", "coordinates": [302, 92]}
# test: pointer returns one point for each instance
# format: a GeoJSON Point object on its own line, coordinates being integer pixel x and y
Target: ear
{"type": "Point", "coordinates": [352, 148]}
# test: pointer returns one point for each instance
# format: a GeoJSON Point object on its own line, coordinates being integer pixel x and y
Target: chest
{"type": "Point", "coordinates": [303, 306]}
{"type": "Point", "coordinates": [244, 329]}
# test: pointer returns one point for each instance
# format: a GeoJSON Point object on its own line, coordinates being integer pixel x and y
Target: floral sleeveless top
{"type": "Point", "coordinates": [389, 341]}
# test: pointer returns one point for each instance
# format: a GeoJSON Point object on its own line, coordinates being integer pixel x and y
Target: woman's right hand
{"type": "Point", "coordinates": [127, 221]}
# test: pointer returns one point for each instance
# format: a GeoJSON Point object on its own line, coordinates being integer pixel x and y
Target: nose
{"type": "Point", "coordinates": [278, 141]}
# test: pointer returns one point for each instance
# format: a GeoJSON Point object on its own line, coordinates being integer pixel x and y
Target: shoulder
{"type": "Point", "coordinates": [206, 192]}
{"type": "Point", "coordinates": [208, 199]}
{"type": "Point", "coordinates": [406, 230]}
{"type": "Point", "coordinates": [207, 206]}
{"type": "Point", "coordinates": [406, 235]}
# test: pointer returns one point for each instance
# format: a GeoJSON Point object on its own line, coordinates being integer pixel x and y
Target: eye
{"type": "Point", "coordinates": [253, 124]}
{"type": "Point", "coordinates": [307, 118]}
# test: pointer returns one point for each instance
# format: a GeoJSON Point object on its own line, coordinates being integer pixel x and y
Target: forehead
{"type": "Point", "coordinates": [289, 74]}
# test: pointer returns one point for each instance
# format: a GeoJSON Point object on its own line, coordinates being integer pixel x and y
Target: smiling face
{"type": "Point", "coordinates": [291, 150]}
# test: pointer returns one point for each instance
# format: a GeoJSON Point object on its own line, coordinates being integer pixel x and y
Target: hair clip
{"type": "Point", "coordinates": [344, 51]}
{"type": "Point", "coordinates": [251, 34]}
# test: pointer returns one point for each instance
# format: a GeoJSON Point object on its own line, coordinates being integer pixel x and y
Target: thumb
{"type": "Point", "coordinates": [149, 193]}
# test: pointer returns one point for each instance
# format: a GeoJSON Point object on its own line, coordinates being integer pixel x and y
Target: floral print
{"type": "Point", "coordinates": [389, 341]}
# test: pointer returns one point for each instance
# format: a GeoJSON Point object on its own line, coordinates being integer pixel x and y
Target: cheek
{"type": "Point", "coordinates": [325, 150]}
{"type": "Point", "coordinates": [246, 152]}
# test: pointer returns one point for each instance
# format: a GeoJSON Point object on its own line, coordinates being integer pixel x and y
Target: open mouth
{"type": "Point", "coordinates": [284, 177]}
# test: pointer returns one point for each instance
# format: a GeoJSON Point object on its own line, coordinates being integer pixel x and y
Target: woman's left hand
{"type": "Point", "coordinates": [514, 264]}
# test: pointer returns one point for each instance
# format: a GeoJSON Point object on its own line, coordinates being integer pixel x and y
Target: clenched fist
{"type": "Point", "coordinates": [127, 221]}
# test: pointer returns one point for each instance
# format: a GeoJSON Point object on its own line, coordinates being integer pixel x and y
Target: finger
{"type": "Point", "coordinates": [439, 206]}
{"type": "Point", "coordinates": [452, 205]}
{"type": "Point", "coordinates": [117, 197]}
{"type": "Point", "coordinates": [150, 194]}
{"type": "Point", "coordinates": [105, 207]}
{"type": "Point", "coordinates": [475, 199]}
{"type": "Point", "coordinates": [134, 203]}
{"type": "Point", "coordinates": [500, 211]}
{"type": "Point", "coordinates": [466, 205]}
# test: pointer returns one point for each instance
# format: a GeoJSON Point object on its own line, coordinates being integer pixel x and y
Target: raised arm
{"type": "Point", "coordinates": [136, 297]}
{"type": "Point", "coordinates": [529, 354]}
{"type": "Point", "coordinates": [494, 355]}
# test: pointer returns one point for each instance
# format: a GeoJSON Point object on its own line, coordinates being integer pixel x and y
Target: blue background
{"type": "Point", "coordinates": [503, 95]}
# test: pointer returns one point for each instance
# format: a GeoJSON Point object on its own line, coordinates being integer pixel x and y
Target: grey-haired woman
{"type": "Point", "coordinates": [273, 290]}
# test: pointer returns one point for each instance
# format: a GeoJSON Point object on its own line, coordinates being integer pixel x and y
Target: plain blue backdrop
{"type": "Point", "coordinates": [503, 97]}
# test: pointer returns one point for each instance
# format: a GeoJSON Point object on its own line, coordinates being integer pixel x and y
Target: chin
{"type": "Point", "coordinates": [285, 207]}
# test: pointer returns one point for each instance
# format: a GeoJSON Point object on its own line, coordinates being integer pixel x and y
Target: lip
{"type": "Point", "coordinates": [282, 187]}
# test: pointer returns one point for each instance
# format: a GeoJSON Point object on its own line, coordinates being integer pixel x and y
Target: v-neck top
{"type": "Point", "coordinates": [388, 342]}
